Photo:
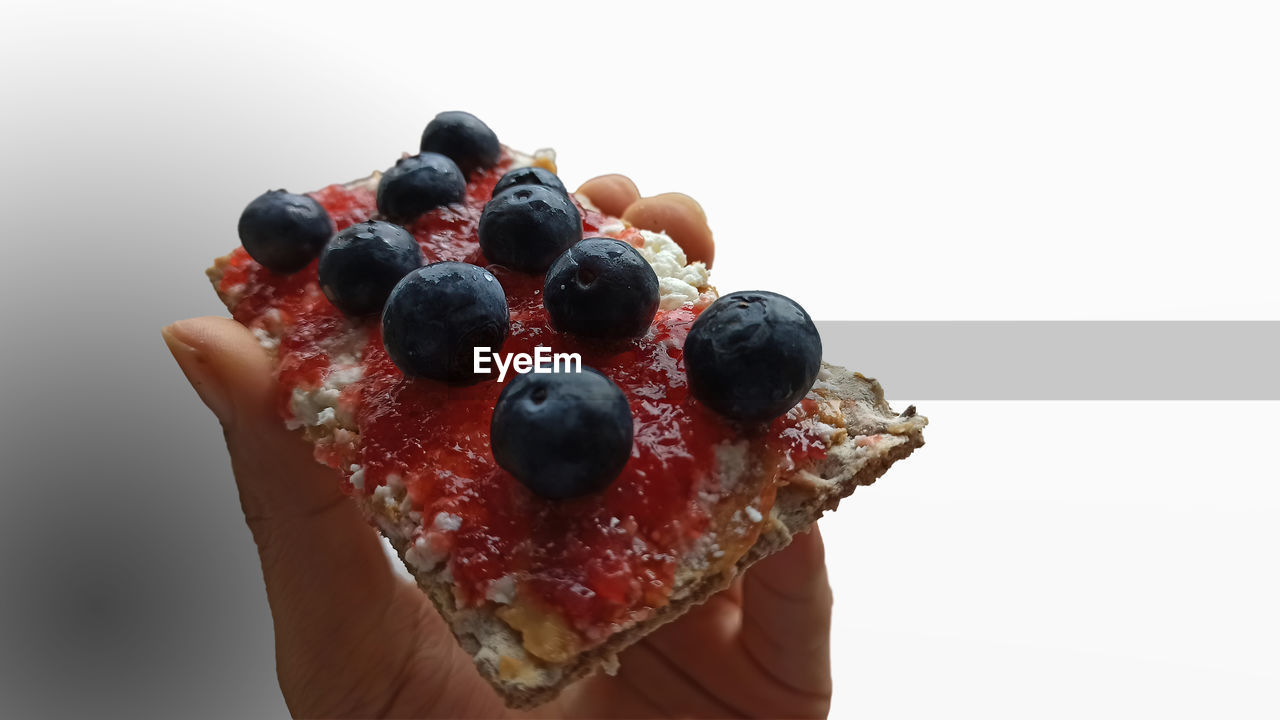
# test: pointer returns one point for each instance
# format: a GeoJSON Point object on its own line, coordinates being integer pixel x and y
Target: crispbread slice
{"type": "Point", "coordinates": [524, 681]}
{"type": "Point", "coordinates": [865, 437]}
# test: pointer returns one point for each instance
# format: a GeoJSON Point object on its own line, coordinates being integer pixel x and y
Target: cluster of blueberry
{"type": "Point", "coordinates": [750, 356]}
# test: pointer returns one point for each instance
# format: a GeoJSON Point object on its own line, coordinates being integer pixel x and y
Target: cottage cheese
{"type": "Point", "coordinates": [317, 407]}
{"type": "Point", "coordinates": [502, 590]}
{"type": "Point", "coordinates": [678, 279]}
{"type": "Point", "coordinates": [424, 554]}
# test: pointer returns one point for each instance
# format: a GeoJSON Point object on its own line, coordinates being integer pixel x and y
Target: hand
{"type": "Point", "coordinates": [355, 640]}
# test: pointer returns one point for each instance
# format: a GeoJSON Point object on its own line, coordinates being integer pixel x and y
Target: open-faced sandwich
{"type": "Point", "coordinates": [567, 434]}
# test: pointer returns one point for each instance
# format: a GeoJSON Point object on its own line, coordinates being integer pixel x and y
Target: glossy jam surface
{"type": "Point", "coordinates": [600, 560]}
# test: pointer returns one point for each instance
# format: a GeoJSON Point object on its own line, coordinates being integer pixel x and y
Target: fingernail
{"type": "Point", "coordinates": [195, 364]}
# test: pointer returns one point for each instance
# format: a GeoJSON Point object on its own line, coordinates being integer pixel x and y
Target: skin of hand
{"type": "Point", "coordinates": [353, 639]}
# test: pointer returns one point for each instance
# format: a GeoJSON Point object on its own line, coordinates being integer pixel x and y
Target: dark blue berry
{"type": "Point", "coordinates": [361, 264]}
{"type": "Point", "coordinates": [283, 231]}
{"type": "Point", "coordinates": [419, 184]}
{"type": "Point", "coordinates": [529, 176]}
{"type": "Point", "coordinates": [601, 288]}
{"type": "Point", "coordinates": [528, 226]}
{"type": "Point", "coordinates": [752, 355]}
{"type": "Point", "coordinates": [438, 315]}
{"type": "Point", "coordinates": [562, 434]}
{"type": "Point", "coordinates": [463, 137]}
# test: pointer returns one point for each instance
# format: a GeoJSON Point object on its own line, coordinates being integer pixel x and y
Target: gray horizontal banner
{"type": "Point", "coordinates": [1061, 360]}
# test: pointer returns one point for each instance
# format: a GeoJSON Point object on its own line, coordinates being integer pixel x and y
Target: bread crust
{"type": "Point", "coordinates": [871, 437]}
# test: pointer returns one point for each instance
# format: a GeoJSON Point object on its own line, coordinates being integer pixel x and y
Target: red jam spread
{"type": "Point", "coordinates": [599, 560]}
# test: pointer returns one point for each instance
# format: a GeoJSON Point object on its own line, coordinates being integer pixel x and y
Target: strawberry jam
{"type": "Point", "coordinates": [600, 560]}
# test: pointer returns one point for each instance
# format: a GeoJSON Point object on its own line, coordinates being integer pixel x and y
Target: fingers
{"type": "Point", "coordinates": [611, 193]}
{"type": "Point", "coordinates": [233, 376]}
{"type": "Point", "coordinates": [323, 565]}
{"type": "Point", "coordinates": [786, 615]}
{"type": "Point", "coordinates": [679, 216]}
{"type": "Point", "coordinates": [675, 214]}
{"type": "Point", "coordinates": [678, 668]}
{"type": "Point", "coordinates": [767, 654]}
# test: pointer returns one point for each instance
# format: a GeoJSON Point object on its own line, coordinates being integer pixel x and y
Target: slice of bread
{"type": "Point", "coordinates": [875, 438]}
{"type": "Point", "coordinates": [527, 655]}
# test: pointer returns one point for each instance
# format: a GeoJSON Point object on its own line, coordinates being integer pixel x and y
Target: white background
{"type": "Point", "coordinates": [899, 160]}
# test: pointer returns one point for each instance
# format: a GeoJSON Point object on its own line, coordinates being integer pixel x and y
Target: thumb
{"type": "Point", "coordinates": [275, 472]}
{"type": "Point", "coordinates": [786, 609]}
{"type": "Point", "coordinates": [323, 565]}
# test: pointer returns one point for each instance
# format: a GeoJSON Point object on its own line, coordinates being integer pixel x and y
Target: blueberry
{"type": "Point", "coordinates": [562, 434]}
{"type": "Point", "coordinates": [529, 176]}
{"type": "Point", "coordinates": [419, 184]}
{"type": "Point", "coordinates": [463, 137]}
{"type": "Point", "coordinates": [361, 264]}
{"type": "Point", "coordinates": [437, 315]}
{"type": "Point", "coordinates": [752, 355]}
{"type": "Point", "coordinates": [283, 231]}
{"type": "Point", "coordinates": [601, 288]}
{"type": "Point", "coordinates": [528, 226]}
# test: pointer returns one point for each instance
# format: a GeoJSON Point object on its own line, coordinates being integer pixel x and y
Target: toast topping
{"type": "Point", "coordinates": [753, 355]}
{"type": "Point", "coordinates": [601, 288]}
{"type": "Point", "coordinates": [578, 568]}
{"type": "Point", "coordinates": [284, 231]}
{"type": "Point", "coordinates": [562, 434]}
{"type": "Point", "coordinates": [361, 264]}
